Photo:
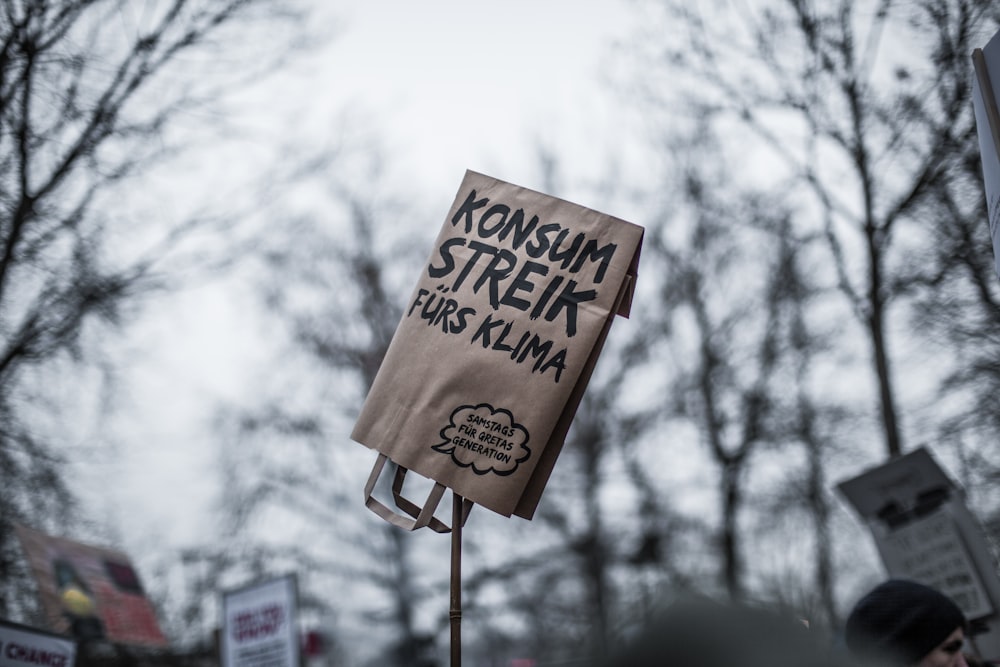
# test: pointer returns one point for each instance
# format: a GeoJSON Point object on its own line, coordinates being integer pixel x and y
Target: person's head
{"type": "Point", "coordinates": [906, 623]}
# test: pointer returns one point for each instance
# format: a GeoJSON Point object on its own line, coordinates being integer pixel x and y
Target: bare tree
{"type": "Point", "coordinates": [88, 92]}
{"type": "Point", "coordinates": [569, 581]}
{"type": "Point", "coordinates": [732, 303]}
{"type": "Point", "coordinates": [334, 278]}
{"type": "Point", "coordinates": [854, 119]}
{"type": "Point", "coordinates": [958, 296]}
{"type": "Point", "coordinates": [806, 421]}
{"type": "Point", "coordinates": [850, 103]}
{"type": "Point", "coordinates": [730, 417]}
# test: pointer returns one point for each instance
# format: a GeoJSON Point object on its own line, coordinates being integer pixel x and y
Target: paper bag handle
{"type": "Point", "coordinates": [410, 508]}
{"type": "Point", "coordinates": [421, 516]}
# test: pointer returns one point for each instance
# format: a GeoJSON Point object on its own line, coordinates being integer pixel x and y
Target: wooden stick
{"type": "Point", "coordinates": [455, 613]}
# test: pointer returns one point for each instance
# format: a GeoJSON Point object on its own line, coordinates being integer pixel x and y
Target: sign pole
{"type": "Point", "coordinates": [455, 613]}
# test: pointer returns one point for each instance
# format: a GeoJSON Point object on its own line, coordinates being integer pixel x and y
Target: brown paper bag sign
{"type": "Point", "coordinates": [495, 348]}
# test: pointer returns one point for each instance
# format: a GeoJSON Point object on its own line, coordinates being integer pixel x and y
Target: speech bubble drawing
{"type": "Point", "coordinates": [485, 439]}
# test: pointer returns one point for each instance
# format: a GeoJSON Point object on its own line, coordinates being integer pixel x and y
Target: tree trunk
{"type": "Point", "coordinates": [732, 565]}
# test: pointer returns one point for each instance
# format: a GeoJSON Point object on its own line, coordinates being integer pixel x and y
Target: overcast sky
{"type": "Point", "coordinates": [459, 85]}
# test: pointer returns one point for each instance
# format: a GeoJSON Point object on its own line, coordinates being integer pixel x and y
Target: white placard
{"type": "Point", "coordinates": [924, 532]}
{"type": "Point", "coordinates": [259, 626]}
{"type": "Point", "coordinates": [930, 549]}
{"type": "Point", "coordinates": [21, 646]}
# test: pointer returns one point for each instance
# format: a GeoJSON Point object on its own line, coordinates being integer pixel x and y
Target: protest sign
{"type": "Point", "coordinates": [496, 345]}
{"type": "Point", "coordinates": [930, 549]}
{"type": "Point", "coordinates": [90, 592]}
{"type": "Point", "coordinates": [22, 646]}
{"type": "Point", "coordinates": [985, 87]}
{"type": "Point", "coordinates": [924, 532]}
{"type": "Point", "coordinates": [260, 625]}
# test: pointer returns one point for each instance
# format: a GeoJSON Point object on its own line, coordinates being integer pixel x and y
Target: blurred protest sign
{"type": "Point", "coordinates": [90, 592]}
{"type": "Point", "coordinates": [985, 87]}
{"type": "Point", "coordinates": [260, 624]}
{"type": "Point", "coordinates": [22, 646]}
{"type": "Point", "coordinates": [496, 347]}
{"type": "Point", "coordinates": [924, 532]}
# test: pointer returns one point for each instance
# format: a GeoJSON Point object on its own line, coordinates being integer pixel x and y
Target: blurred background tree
{"type": "Point", "coordinates": [863, 110]}
{"type": "Point", "coordinates": [852, 124]}
{"type": "Point", "coordinates": [334, 276]}
{"type": "Point", "coordinates": [90, 92]}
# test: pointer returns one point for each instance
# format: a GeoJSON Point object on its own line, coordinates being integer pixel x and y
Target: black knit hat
{"type": "Point", "coordinates": [901, 620]}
